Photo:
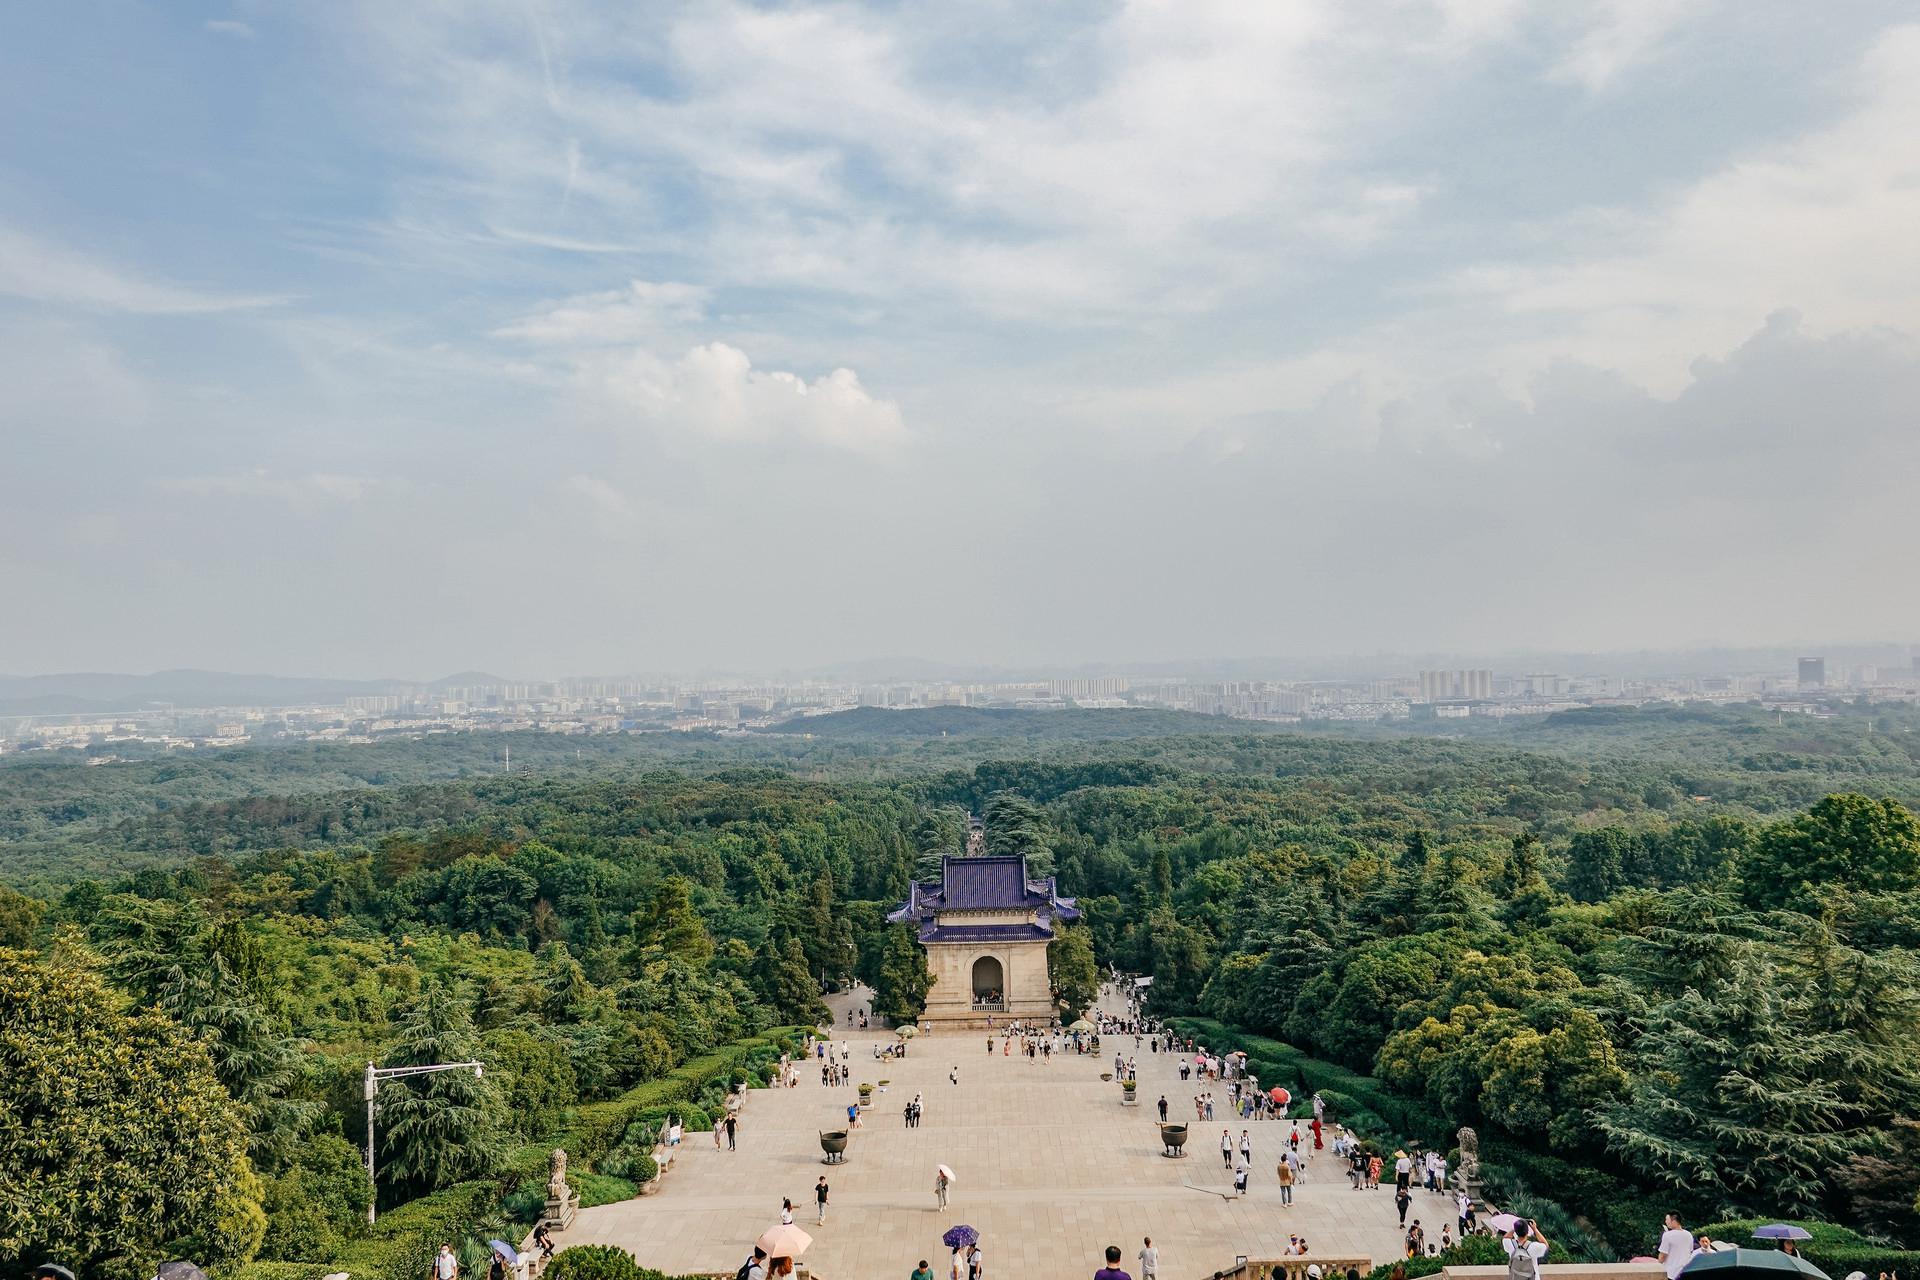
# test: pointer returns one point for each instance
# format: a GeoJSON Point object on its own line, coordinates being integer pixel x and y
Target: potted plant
{"type": "Point", "coordinates": [866, 1096]}
{"type": "Point", "coordinates": [1127, 1089]}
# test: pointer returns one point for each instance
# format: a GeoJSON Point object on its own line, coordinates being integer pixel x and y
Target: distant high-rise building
{"type": "Point", "coordinates": [1813, 673]}
{"type": "Point", "coordinates": [1449, 686]}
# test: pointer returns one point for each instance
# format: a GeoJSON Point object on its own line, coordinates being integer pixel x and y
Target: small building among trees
{"type": "Point", "coordinates": [985, 927]}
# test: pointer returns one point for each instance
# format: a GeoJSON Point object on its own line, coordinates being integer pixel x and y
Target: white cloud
{"type": "Point", "coordinates": [639, 312]}
{"type": "Point", "coordinates": [1619, 36]}
{"type": "Point", "coordinates": [1823, 222]}
{"type": "Point", "coordinates": [42, 271]}
{"type": "Point", "coordinates": [309, 491]}
{"type": "Point", "coordinates": [230, 27]}
{"type": "Point", "coordinates": [713, 392]}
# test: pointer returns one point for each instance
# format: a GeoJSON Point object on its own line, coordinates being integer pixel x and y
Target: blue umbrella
{"type": "Point", "coordinates": [506, 1251]}
{"type": "Point", "coordinates": [960, 1236]}
{"type": "Point", "coordinates": [1782, 1231]}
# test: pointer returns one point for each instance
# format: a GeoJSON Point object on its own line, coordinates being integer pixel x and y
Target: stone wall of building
{"type": "Point", "coordinates": [1023, 967]}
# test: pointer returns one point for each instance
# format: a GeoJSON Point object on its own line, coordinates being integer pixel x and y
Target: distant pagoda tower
{"type": "Point", "coordinates": [985, 927]}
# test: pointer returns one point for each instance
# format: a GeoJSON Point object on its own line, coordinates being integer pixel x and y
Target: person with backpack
{"type": "Point", "coordinates": [755, 1267]}
{"type": "Point", "coordinates": [1524, 1252]}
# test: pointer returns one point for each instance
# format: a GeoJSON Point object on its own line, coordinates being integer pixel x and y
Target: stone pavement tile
{"type": "Point", "coordinates": [1051, 1168]}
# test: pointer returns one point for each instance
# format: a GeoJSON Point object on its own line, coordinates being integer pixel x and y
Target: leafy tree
{"type": "Point", "coordinates": [671, 924]}
{"type": "Point", "coordinates": [442, 1128]}
{"type": "Point", "coordinates": [1071, 971]}
{"type": "Point", "coordinates": [1600, 863]}
{"type": "Point", "coordinates": [1848, 840]}
{"type": "Point", "coordinates": [940, 833]}
{"type": "Point", "coordinates": [101, 1114]}
{"type": "Point", "coordinates": [1734, 1097]}
{"type": "Point", "coordinates": [319, 1204]}
{"type": "Point", "coordinates": [1016, 825]}
{"type": "Point", "coordinates": [19, 917]}
{"type": "Point", "coordinates": [902, 981]}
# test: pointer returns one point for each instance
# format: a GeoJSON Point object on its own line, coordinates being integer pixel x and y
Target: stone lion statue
{"type": "Point", "coordinates": [1469, 1166]}
{"type": "Point", "coordinates": [557, 1188]}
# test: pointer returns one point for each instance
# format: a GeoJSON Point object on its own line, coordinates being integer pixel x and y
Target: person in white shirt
{"type": "Point", "coordinates": [445, 1265]}
{"type": "Point", "coordinates": [1676, 1247]}
{"type": "Point", "coordinates": [1149, 1260]}
{"type": "Point", "coordinates": [1524, 1253]}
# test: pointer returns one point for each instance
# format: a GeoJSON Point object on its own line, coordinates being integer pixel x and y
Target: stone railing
{"type": "Point", "coordinates": [1295, 1268]}
{"type": "Point", "coordinates": [1568, 1271]}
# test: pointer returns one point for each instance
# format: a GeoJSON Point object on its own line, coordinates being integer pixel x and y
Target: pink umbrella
{"type": "Point", "coordinates": [1199, 1057]}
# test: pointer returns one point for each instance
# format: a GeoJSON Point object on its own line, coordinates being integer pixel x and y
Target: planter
{"type": "Point", "coordinates": [1105, 1076]}
{"type": "Point", "coordinates": [1128, 1094]}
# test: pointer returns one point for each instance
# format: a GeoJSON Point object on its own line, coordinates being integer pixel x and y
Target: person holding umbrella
{"type": "Point", "coordinates": [942, 1180]}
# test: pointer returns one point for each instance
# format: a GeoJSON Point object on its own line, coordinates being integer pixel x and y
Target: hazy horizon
{"type": "Point", "coordinates": [583, 337]}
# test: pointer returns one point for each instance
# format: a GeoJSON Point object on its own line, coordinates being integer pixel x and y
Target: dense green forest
{"type": "Point", "coordinates": [1657, 958]}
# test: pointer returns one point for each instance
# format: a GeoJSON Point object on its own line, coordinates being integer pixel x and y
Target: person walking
{"type": "Point", "coordinates": [1149, 1260]}
{"type": "Point", "coordinates": [1246, 1146]}
{"type": "Point", "coordinates": [954, 1075]}
{"type": "Point", "coordinates": [1112, 1270]}
{"type": "Point", "coordinates": [445, 1265]}
{"type": "Point", "coordinates": [922, 1272]}
{"type": "Point", "coordinates": [1163, 1108]}
{"type": "Point", "coordinates": [733, 1126]}
{"type": "Point", "coordinates": [1676, 1246]}
{"type": "Point", "coordinates": [820, 1199]}
{"type": "Point", "coordinates": [940, 1184]}
{"type": "Point", "coordinates": [1226, 1149]}
{"type": "Point", "coordinates": [1285, 1173]}
{"type": "Point", "coordinates": [1404, 1199]}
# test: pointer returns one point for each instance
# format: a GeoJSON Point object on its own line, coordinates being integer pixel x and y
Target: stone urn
{"type": "Point", "coordinates": [1173, 1140]}
{"type": "Point", "coordinates": [834, 1143]}
{"type": "Point", "coordinates": [1106, 1076]}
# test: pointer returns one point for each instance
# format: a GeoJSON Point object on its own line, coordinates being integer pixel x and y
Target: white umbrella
{"type": "Point", "coordinates": [1504, 1221]}
{"type": "Point", "coordinates": [946, 1173]}
{"type": "Point", "coordinates": [783, 1240]}
{"type": "Point", "coordinates": [907, 1032]}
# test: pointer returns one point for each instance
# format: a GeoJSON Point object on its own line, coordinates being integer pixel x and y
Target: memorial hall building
{"type": "Point", "coordinates": [985, 927]}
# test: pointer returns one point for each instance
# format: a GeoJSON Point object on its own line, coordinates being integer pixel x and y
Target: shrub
{"type": "Point", "coordinates": [593, 1262]}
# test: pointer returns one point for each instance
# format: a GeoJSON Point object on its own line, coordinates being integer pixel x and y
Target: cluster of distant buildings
{"type": "Point", "coordinates": [594, 706]}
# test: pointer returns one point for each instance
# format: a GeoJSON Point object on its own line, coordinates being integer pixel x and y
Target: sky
{"type": "Point", "coordinates": [377, 339]}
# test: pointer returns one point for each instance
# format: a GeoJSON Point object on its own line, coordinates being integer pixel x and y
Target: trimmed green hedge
{"type": "Point", "coordinates": [1364, 1104]}
{"type": "Point", "coordinates": [402, 1243]}
{"type": "Point", "coordinates": [1836, 1250]}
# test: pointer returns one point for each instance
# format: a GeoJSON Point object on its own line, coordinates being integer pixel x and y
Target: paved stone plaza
{"type": "Point", "coordinates": [1049, 1166]}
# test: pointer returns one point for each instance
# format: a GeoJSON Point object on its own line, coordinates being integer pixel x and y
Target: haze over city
{"type": "Point", "coordinates": [366, 340]}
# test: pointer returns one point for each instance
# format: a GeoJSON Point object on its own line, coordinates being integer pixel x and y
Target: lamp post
{"type": "Point", "coordinates": [375, 1075]}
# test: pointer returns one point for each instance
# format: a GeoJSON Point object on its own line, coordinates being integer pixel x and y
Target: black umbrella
{"type": "Point", "coordinates": [51, 1271]}
{"type": "Point", "coordinates": [1751, 1264]}
{"type": "Point", "coordinates": [179, 1271]}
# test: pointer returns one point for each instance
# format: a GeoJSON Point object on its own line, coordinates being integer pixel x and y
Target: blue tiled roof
{"type": "Point", "coordinates": [984, 884]}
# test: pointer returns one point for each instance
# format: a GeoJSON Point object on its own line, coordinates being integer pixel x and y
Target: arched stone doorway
{"type": "Point", "coordinates": [989, 984]}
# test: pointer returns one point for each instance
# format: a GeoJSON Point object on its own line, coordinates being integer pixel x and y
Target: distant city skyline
{"type": "Point", "coordinates": [583, 335]}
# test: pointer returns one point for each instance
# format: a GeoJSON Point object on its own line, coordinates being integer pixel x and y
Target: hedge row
{"type": "Point", "coordinates": [401, 1244]}
{"type": "Point", "coordinates": [1362, 1103]}
{"type": "Point", "coordinates": [1836, 1250]}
